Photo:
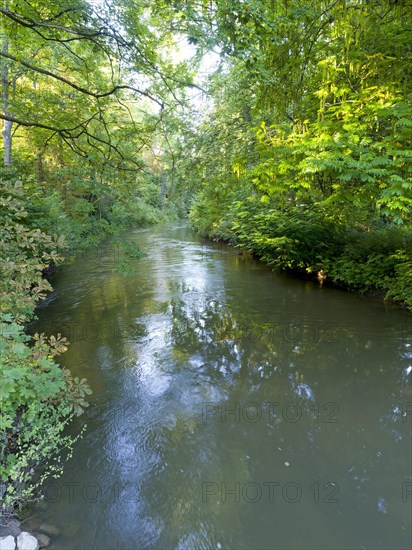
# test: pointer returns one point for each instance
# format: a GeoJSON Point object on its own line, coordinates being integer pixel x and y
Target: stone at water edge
{"type": "Point", "coordinates": [30, 525]}
{"type": "Point", "coordinates": [11, 527]}
{"type": "Point", "coordinates": [44, 540]}
{"type": "Point", "coordinates": [25, 541]}
{"type": "Point", "coordinates": [7, 543]}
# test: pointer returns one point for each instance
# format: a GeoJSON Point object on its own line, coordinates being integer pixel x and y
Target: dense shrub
{"type": "Point", "coordinates": [309, 240]}
{"type": "Point", "coordinates": [38, 397]}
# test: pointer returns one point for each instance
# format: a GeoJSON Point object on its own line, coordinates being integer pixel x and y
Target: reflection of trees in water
{"type": "Point", "coordinates": [234, 345]}
{"type": "Point", "coordinates": [301, 357]}
{"type": "Point", "coordinates": [264, 361]}
{"type": "Point", "coordinates": [231, 358]}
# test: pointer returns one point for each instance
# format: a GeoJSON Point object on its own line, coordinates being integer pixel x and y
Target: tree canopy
{"type": "Point", "coordinates": [295, 146]}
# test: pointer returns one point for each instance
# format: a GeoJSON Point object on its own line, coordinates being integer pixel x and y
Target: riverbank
{"type": "Point", "coordinates": [39, 397]}
{"type": "Point", "coordinates": [375, 261]}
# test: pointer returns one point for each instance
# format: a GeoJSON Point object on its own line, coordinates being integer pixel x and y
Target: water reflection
{"type": "Point", "coordinates": [216, 381]}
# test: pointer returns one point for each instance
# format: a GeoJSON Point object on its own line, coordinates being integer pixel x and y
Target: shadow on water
{"type": "Point", "coordinates": [232, 407]}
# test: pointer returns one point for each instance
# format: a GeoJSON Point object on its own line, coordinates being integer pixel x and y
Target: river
{"type": "Point", "coordinates": [233, 407]}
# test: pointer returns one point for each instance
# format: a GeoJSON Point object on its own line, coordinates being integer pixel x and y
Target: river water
{"type": "Point", "coordinates": [232, 407]}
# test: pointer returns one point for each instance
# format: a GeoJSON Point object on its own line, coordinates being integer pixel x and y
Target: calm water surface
{"type": "Point", "coordinates": [232, 407]}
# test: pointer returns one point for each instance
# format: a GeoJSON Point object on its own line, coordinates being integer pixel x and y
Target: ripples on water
{"type": "Point", "coordinates": [232, 407]}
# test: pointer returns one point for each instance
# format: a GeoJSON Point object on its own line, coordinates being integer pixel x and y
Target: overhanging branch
{"type": "Point", "coordinates": [80, 88]}
{"type": "Point", "coordinates": [70, 138]}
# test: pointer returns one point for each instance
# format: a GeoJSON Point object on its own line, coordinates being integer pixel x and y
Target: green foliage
{"type": "Point", "coordinates": [39, 399]}
{"type": "Point", "coordinates": [24, 252]}
{"type": "Point", "coordinates": [379, 260]}
{"type": "Point", "coordinates": [356, 158]}
{"type": "Point", "coordinates": [294, 239]}
{"type": "Point", "coordinates": [309, 241]}
{"type": "Point", "coordinates": [326, 177]}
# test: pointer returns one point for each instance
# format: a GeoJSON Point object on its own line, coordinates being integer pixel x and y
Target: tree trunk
{"type": "Point", "coordinates": [7, 125]}
{"type": "Point", "coordinates": [163, 190]}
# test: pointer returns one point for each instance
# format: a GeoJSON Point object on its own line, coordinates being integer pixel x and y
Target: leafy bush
{"type": "Point", "coordinates": [308, 239]}
{"type": "Point", "coordinates": [24, 252]}
{"type": "Point", "coordinates": [378, 260]}
{"type": "Point", "coordinates": [38, 397]}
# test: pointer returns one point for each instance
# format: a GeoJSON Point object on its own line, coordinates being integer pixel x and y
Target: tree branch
{"type": "Point", "coordinates": [80, 88]}
{"type": "Point", "coordinates": [69, 138]}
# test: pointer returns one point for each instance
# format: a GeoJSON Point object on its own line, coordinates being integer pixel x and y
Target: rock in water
{"type": "Point", "coordinates": [50, 530]}
{"type": "Point", "coordinates": [25, 541]}
{"type": "Point", "coordinates": [7, 543]}
{"type": "Point", "coordinates": [44, 540]}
